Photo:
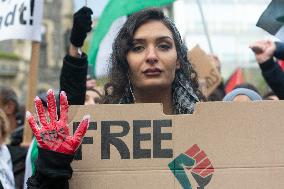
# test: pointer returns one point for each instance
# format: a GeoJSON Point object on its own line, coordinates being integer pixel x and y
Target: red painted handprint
{"type": "Point", "coordinates": [54, 134]}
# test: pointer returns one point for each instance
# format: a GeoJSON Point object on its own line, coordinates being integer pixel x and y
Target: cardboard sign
{"type": "Point", "coordinates": [21, 19]}
{"type": "Point", "coordinates": [220, 146]}
{"type": "Point", "coordinates": [208, 75]}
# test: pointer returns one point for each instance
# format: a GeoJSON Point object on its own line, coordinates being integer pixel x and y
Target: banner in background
{"type": "Point", "coordinates": [208, 76]}
{"type": "Point", "coordinates": [21, 19]}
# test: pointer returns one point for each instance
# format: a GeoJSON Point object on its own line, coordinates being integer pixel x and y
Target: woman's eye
{"type": "Point", "coordinates": [164, 47]}
{"type": "Point", "coordinates": [137, 48]}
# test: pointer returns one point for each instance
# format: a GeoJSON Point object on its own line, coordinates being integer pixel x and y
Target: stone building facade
{"type": "Point", "coordinates": [15, 54]}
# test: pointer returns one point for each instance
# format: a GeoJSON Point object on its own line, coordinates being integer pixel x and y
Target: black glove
{"type": "Point", "coordinates": [82, 24]}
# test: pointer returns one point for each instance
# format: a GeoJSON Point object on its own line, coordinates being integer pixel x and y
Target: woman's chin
{"type": "Point", "coordinates": [155, 86]}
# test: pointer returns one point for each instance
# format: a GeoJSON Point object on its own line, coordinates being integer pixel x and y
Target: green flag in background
{"type": "Point", "coordinates": [111, 20]}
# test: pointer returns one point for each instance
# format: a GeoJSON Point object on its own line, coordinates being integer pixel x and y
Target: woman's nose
{"type": "Point", "coordinates": [151, 56]}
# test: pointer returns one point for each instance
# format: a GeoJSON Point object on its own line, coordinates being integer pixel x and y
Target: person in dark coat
{"type": "Point", "coordinates": [148, 64]}
{"type": "Point", "coordinates": [265, 51]}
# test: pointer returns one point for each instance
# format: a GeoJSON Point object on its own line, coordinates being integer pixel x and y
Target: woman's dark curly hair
{"type": "Point", "coordinates": [118, 72]}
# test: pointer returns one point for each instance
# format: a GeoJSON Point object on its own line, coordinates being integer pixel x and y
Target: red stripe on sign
{"type": "Point", "coordinates": [207, 172]}
{"type": "Point", "coordinates": [203, 165]}
{"type": "Point", "coordinates": [200, 156]}
{"type": "Point", "coordinates": [192, 151]}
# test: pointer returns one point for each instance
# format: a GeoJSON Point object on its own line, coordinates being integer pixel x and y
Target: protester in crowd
{"type": "Point", "coordinates": [270, 95]}
{"type": "Point", "coordinates": [148, 64]}
{"type": "Point", "coordinates": [9, 104]}
{"type": "Point", "coordinates": [264, 51]}
{"type": "Point", "coordinates": [33, 150]}
{"type": "Point", "coordinates": [93, 96]}
{"type": "Point", "coordinates": [7, 180]}
{"type": "Point", "coordinates": [242, 95]}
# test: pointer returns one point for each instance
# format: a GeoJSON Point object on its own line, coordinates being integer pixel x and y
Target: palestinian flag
{"type": "Point", "coordinates": [272, 19]}
{"type": "Point", "coordinates": [111, 20]}
{"type": "Point", "coordinates": [30, 161]}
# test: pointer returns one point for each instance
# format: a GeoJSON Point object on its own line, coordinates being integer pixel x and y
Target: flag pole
{"type": "Point", "coordinates": [205, 27]}
{"type": "Point", "coordinates": [31, 89]}
{"type": "Point", "coordinates": [86, 3]}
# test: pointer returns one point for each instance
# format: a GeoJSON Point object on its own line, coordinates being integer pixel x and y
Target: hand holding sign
{"type": "Point", "coordinates": [54, 135]}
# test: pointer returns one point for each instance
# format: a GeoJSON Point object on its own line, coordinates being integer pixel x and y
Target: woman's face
{"type": "Point", "coordinates": [92, 97]}
{"type": "Point", "coordinates": [153, 58]}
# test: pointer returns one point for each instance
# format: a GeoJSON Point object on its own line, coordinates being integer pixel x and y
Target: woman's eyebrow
{"type": "Point", "coordinates": [164, 37]}
{"type": "Point", "coordinates": [139, 40]}
{"type": "Point", "coordinates": [160, 38]}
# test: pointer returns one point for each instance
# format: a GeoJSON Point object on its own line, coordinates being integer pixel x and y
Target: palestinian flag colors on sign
{"type": "Point", "coordinates": [111, 20]}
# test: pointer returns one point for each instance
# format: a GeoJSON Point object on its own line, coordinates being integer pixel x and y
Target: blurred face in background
{"type": "Point", "coordinates": [241, 98]}
{"type": "Point", "coordinates": [92, 97]}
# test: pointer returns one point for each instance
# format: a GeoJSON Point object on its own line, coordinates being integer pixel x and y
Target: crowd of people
{"type": "Point", "coordinates": [148, 65]}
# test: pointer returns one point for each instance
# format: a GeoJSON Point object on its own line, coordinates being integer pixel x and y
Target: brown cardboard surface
{"type": "Point", "coordinates": [242, 141]}
{"type": "Point", "coordinates": [208, 75]}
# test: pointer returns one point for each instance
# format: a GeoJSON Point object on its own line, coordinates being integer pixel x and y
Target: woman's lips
{"type": "Point", "coordinates": [152, 72]}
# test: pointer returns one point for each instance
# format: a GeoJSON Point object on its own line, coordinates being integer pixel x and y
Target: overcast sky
{"type": "Point", "coordinates": [96, 5]}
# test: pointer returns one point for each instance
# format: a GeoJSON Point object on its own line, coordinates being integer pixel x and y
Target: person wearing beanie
{"type": "Point", "coordinates": [242, 94]}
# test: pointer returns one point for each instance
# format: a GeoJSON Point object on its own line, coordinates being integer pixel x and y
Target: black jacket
{"type": "Point", "coordinates": [272, 72]}
{"type": "Point", "coordinates": [73, 79]}
{"type": "Point", "coordinates": [53, 169]}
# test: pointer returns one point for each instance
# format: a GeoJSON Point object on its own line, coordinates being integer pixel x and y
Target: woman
{"type": "Point", "coordinates": [93, 96]}
{"type": "Point", "coordinates": [7, 180]}
{"type": "Point", "coordinates": [148, 65]}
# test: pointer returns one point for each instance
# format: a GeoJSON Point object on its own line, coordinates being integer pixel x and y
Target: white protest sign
{"type": "Point", "coordinates": [21, 19]}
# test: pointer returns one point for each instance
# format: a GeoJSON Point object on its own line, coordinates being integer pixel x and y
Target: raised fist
{"type": "Point", "coordinates": [197, 162]}
{"type": "Point", "coordinates": [82, 24]}
{"type": "Point", "coordinates": [263, 50]}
